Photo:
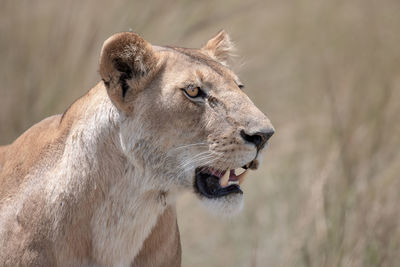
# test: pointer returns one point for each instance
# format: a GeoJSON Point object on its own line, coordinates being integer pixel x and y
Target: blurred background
{"type": "Point", "coordinates": [327, 73]}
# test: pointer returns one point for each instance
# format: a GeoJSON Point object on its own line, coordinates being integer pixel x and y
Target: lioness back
{"type": "Point", "coordinates": [28, 151]}
{"type": "Point", "coordinates": [34, 151]}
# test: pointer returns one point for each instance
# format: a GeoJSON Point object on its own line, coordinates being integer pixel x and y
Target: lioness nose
{"type": "Point", "coordinates": [259, 138]}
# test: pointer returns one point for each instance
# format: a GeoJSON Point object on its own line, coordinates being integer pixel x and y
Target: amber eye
{"type": "Point", "coordinates": [193, 91]}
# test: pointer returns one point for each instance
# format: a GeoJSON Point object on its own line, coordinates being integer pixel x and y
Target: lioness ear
{"type": "Point", "coordinates": [127, 63]}
{"type": "Point", "coordinates": [220, 47]}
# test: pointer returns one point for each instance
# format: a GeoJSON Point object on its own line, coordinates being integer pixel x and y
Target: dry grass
{"type": "Point", "coordinates": [326, 72]}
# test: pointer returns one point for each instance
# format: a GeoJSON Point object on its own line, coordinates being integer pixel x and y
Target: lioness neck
{"type": "Point", "coordinates": [117, 211]}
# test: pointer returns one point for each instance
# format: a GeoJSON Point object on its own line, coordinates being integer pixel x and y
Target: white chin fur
{"type": "Point", "coordinates": [229, 205]}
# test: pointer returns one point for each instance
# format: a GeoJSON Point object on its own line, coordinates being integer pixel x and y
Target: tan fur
{"type": "Point", "coordinates": [97, 185]}
{"type": "Point", "coordinates": [220, 47]}
{"type": "Point", "coordinates": [162, 247]}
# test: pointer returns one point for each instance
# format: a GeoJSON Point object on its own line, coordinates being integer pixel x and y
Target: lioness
{"type": "Point", "coordinates": [97, 185]}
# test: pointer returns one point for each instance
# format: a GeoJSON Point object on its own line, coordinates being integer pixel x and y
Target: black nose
{"type": "Point", "coordinates": [259, 138]}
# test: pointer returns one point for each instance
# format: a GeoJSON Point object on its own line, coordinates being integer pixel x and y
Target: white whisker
{"type": "Point", "coordinates": [190, 145]}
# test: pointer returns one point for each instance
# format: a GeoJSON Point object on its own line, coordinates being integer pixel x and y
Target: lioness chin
{"type": "Point", "coordinates": [97, 185]}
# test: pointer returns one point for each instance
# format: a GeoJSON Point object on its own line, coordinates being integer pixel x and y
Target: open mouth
{"type": "Point", "coordinates": [214, 183]}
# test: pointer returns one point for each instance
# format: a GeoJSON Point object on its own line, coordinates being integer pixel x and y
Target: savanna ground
{"type": "Point", "coordinates": [326, 72]}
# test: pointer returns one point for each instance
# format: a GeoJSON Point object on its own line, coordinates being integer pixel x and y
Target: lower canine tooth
{"type": "Point", "coordinates": [233, 182]}
{"type": "Point", "coordinates": [224, 179]}
{"type": "Point", "coordinates": [242, 177]}
{"type": "Point", "coordinates": [239, 171]}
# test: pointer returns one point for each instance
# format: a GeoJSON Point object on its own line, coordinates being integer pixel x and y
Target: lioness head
{"type": "Point", "coordinates": [186, 121]}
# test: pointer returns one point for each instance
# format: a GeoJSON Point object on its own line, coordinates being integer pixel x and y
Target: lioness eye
{"type": "Point", "coordinates": [193, 91]}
